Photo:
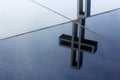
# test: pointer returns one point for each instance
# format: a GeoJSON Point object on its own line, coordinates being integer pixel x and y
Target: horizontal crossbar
{"type": "Point", "coordinates": [86, 45]}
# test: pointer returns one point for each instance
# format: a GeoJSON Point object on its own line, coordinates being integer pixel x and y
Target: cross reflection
{"type": "Point", "coordinates": [77, 42]}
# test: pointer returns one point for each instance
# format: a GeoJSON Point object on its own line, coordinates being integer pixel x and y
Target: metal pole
{"type": "Point", "coordinates": [77, 55]}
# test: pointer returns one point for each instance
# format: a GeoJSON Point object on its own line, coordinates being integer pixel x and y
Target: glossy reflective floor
{"type": "Point", "coordinates": [38, 56]}
{"type": "Point", "coordinates": [21, 16]}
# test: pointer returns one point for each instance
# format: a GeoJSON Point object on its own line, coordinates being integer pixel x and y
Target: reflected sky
{"type": "Point", "coordinates": [19, 16]}
{"type": "Point", "coordinates": [69, 7]}
{"type": "Point", "coordinates": [37, 57]}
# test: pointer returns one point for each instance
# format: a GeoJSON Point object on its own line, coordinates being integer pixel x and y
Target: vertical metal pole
{"type": "Point", "coordinates": [81, 36]}
{"type": "Point", "coordinates": [88, 7]}
{"type": "Point", "coordinates": [79, 8]}
{"type": "Point", "coordinates": [81, 32]}
{"type": "Point", "coordinates": [81, 21]}
{"type": "Point", "coordinates": [73, 51]}
{"type": "Point", "coordinates": [77, 56]}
